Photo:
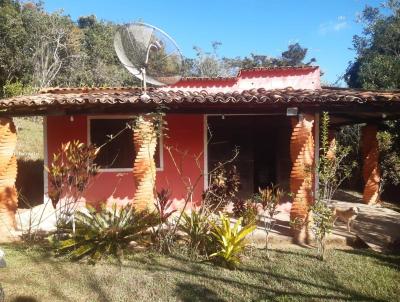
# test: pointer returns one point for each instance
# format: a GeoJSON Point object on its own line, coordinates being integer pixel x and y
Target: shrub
{"type": "Point", "coordinates": [71, 171]}
{"type": "Point", "coordinates": [270, 199]}
{"type": "Point", "coordinates": [105, 232]}
{"type": "Point", "coordinates": [224, 185]}
{"type": "Point", "coordinates": [322, 225]}
{"type": "Point", "coordinates": [230, 241]}
{"type": "Point", "coordinates": [246, 209]}
{"type": "Point", "coordinates": [197, 228]}
{"type": "Point", "coordinates": [163, 236]}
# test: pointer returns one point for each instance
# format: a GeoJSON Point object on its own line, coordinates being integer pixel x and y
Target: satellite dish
{"type": "Point", "coordinates": [148, 53]}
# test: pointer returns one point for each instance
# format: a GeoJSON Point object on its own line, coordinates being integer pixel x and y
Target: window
{"type": "Point", "coordinates": [119, 153]}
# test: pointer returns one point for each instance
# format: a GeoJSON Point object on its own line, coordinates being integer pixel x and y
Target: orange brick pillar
{"type": "Point", "coordinates": [331, 152]}
{"type": "Point", "coordinates": [371, 173]}
{"type": "Point", "coordinates": [8, 174]}
{"type": "Point", "coordinates": [144, 168]}
{"type": "Point", "coordinates": [302, 175]}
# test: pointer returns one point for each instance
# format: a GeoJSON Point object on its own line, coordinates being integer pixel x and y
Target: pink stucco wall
{"type": "Point", "coordinates": [185, 133]}
{"type": "Point", "coordinates": [279, 78]}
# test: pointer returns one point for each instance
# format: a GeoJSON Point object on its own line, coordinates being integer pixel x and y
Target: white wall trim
{"type": "Point", "coordinates": [115, 117]}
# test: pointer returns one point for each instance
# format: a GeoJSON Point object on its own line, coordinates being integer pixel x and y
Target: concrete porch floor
{"type": "Point", "coordinates": [375, 227]}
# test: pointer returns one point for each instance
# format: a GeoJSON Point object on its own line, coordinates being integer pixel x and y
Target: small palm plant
{"type": "Point", "coordinates": [230, 241]}
{"type": "Point", "coordinates": [105, 232]}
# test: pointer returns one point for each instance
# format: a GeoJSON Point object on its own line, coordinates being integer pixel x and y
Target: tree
{"type": "Point", "coordinates": [206, 64]}
{"type": "Point", "coordinates": [52, 45]}
{"type": "Point", "coordinates": [12, 40]}
{"type": "Point", "coordinates": [377, 66]}
{"type": "Point", "coordinates": [210, 64]}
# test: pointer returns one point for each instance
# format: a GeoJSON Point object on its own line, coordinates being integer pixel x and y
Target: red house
{"type": "Point", "coordinates": [270, 114]}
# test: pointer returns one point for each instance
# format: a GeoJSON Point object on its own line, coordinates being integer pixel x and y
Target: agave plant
{"type": "Point", "coordinates": [230, 240]}
{"type": "Point", "coordinates": [105, 232]}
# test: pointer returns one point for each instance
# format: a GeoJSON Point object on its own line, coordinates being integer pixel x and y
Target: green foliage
{"type": "Point", "coordinates": [247, 209]}
{"type": "Point", "coordinates": [105, 232]}
{"type": "Point", "coordinates": [378, 63]}
{"type": "Point", "coordinates": [16, 89]}
{"type": "Point", "coordinates": [230, 241]}
{"type": "Point", "coordinates": [163, 236]}
{"type": "Point", "coordinates": [389, 156]}
{"type": "Point", "coordinates": [333, 168]}
{"type": "Point", "coordinates": [270, 199]}
{"type": "Point", "coordinates": [224, 185]}
{"type": "Point", "coordinates": [210, 64]}
{"type": "Point", "coordinates": [322, 225]}
{"type": "Point", "coordinates": [42, 49]}
{"type": "Point", "coordinates": [196, 227]}
{"type": "Point", "coordinates": [71, 170]}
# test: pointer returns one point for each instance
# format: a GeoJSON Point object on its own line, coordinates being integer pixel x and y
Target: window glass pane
{"type": "Point", "coordinates": [119, 153]}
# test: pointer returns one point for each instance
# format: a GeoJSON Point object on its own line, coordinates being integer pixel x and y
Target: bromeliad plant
{"type": "Point", "coordinates": [105, 232]}
{"type": "Point", "coordinates": [197, 227]}
{"type": "Point", "coordinates": [163, 235]}
{"type": "Point", "coordinates": [229, 241]}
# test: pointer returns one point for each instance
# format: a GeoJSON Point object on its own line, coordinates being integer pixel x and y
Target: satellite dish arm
{"type": "Point", "coordinates": [157, 46]}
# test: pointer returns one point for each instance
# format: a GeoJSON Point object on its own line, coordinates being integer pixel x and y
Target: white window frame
{"type": "Point", "coordinates": [123, 117]}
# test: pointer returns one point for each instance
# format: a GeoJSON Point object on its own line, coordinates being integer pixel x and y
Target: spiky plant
{"type": "Point", "coordinates": [196, 227]}
{"type": "Point", "coordinates": [105, 232]}
{"type": "Point", "coordinates": [230, 241]}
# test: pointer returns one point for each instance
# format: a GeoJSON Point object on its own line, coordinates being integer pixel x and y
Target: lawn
{"type": "Point", "coordinates": [29, 138]}
{"type": "Point", "coordinates": [292, 275]}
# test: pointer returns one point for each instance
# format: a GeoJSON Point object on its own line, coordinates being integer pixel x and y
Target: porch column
{"type": "Point", "coordinates": [302, 174]}
{"type": "Point", "coordinates": [371, 173]}
{"type": "Point", "coordinates": [331, 153]}
{"type": "Point", "coordinates": [8, 174]}
{"type": "Point", "coordinates": [144, 167]}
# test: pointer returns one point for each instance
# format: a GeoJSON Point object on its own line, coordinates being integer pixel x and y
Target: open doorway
{"type": "Point", "coordinates": [263, 142]}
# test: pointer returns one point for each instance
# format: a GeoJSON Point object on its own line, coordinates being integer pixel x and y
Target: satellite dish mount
{"type": "Point", "coordinates": [149, 54]}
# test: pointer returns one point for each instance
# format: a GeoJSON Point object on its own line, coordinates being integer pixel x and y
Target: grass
{"type": "Point", "coordinates": [292, 275]}
{"type": "Point", "coordinates": [29, 138]}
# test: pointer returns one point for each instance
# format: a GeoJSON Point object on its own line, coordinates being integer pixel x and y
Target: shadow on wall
{"type": "Point", "coordinates": [29, 183]}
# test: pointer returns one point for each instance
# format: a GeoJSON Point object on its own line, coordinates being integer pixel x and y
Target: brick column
{"type": "Point", "coordinates": [144, 168]}
{"type": "Point", "coordinates": [8, 174]}
{"type": "Point", "coordinates": [302, 174]}
{"type": "Point", "coordinates": [331, 153]}
{"type": "Point", "coordinates": [371, 173]}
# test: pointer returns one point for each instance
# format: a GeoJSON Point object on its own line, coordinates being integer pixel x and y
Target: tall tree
{"type": "Point", "coordinates": [377, 66]}
{"type": "Point", "coordinates": [12, 40]}
{"type": "Point", "coordinates": [210, 64]}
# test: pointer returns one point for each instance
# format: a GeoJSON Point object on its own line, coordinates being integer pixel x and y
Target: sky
{"type": "Point", "coordinates": [325, 27]}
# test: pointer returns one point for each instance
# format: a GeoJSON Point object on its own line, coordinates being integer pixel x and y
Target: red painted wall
{"type": "Point", "coordinates": [185, 133]}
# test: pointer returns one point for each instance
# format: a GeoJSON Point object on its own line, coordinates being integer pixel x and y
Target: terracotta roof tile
{"type": "Point", "coordinates": [118, 95]}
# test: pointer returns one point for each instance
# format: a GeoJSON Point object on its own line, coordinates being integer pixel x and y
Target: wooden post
{"type": "Point", "coordinates": [302, 175]}
{"type": "Point", "coordinates": [371, 173]}
{"type": "Point", "coordinates": [8, 174]}
{"type": "Point", "coordinates": [144, 168]}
